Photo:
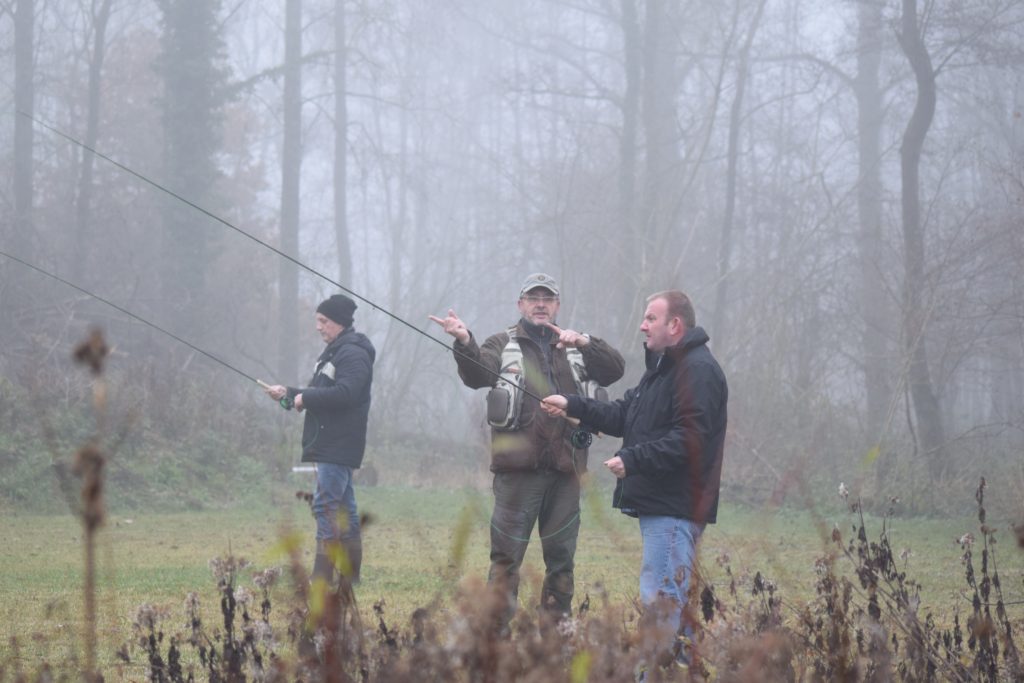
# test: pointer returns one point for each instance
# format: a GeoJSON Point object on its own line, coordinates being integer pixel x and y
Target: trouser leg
{"type": "Point", "coordinates": [351, 534]}
{"type": "Point", "coordinates": [516, 505]}
{"type": "Point", "coordinates": [559, 528]}
{"type": "Point", "coordinates": [669, 551]}
{"type": "Point", "coordinates": [337, 519]}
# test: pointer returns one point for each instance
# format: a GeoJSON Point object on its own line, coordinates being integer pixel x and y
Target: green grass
{"type": "Point", "coordinates": [409, 559]}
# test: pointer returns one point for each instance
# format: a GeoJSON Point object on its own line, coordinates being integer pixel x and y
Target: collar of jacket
{"type": "Point", "coordinates": [345, 337]}
{"type": "Point", "coordinates": [539, 334]}
{"type": "Point", "coordinates": [691, 340]}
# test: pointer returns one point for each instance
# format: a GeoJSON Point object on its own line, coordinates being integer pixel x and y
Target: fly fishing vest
{"type": "Point", "coordinates": [505, 399]}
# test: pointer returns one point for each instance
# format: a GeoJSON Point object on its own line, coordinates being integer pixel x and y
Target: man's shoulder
{"type": "Point", "coordinates": [700, 362]}
{"type": "Point", "coordinates": [598, 345]}
{"type": "Point", "coordinates": [356, 344]}
{"type": "Point", "coordinates": [502, 338]}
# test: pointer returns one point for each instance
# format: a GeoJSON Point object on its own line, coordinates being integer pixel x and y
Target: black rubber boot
{"type": "Point", "coordinates": [323, 568]}
{"type": "Point", "coordinates": [354, 550]}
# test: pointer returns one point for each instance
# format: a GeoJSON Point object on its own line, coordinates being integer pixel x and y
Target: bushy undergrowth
{"type": "Point", "coordinates": [867, 622]}
{"type": "Point", "coordinates": [154, 462]}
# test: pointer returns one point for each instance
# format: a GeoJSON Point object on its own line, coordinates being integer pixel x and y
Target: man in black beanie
{"type": "Point", "coordinates": [336, 403]}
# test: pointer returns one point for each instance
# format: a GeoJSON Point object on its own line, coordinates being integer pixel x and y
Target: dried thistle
{"type": "Point", "coordinates": [92, 352]}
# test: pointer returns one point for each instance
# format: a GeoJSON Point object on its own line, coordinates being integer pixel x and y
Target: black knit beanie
{"type": "Point", "coordinates": [338, 308]}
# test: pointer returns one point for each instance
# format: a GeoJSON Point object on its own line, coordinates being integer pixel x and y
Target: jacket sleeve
{"type": "Point", "coordinates": [606, 417]}
{"type": "Point", "coordinates": [695, 393]}
{"type": "Point", "coordinates": [469, 358]}
{"type": "Point", "coordinates": [353, 371]}
{"type": "Point", "coordinates": [604, 364]}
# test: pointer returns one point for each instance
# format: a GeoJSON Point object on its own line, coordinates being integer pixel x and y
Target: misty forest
{"type": "Point", "coordinates": [838, 185]}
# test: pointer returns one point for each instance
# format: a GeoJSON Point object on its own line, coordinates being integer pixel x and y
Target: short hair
{"type": "Point", "coordinates": [679, 306]}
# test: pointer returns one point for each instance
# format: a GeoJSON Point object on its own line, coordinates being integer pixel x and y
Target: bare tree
{"type": "Point", "coordinates": [191, 68]}
{"type": "Point", "coordinates": [725, 239]}
{"type": "Point", "coordinates": [291, 167]}
{"type": "Point", "coordinates": [341, 143]}
{"type": "Point", "coordinates": [83, 201]}
{"type": "Point", "coordinates": [916, 306]}
{"type": "Point", "coordinates": [632, 56]}
{"type": "Point", "coordinates": [873, 296]}
{"type": "Point", "coordinates": [24, 102]}
{"type": "Point", "coordinates": [661, 138]}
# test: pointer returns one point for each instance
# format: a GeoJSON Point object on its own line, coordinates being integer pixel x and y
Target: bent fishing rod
{"type": "Point", "coordinates": [583, 434]}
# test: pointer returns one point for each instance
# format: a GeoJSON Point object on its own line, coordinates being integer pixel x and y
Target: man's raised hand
{"type": "Point", "coordinates": [569, 337]}
{"type": "Point", "coordinates": [453, 325]}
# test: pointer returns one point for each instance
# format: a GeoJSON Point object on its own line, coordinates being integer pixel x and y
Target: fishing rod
{"type": "Point", "coordinates": [581, 438]}
{"type": "Point", "coordinates": [285, 403]}
{"type": "Point", "coordinates": [228, 224]}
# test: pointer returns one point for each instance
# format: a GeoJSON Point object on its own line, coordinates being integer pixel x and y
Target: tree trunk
{"type": "Point", "coordinates": [291, 166]}
{"type": "Point", "coordinates": [341, 146]}
{"type": "Point", "coordinates": [24, 102]}
{"type": "Point", "coordinates": [191, 103]}
{"type": "Point", "coordinates": [83, 202]}
{"type": "Point", "coordinates": [627, 219]}
{"type": "Point", "coordinates": [874, 311]}
{"type": "Point", "coordinates": [931, 431]}
{"type": "Point", "coordinates": [732, 164]}
{"type": "Point", "coordinates": [659, 132]}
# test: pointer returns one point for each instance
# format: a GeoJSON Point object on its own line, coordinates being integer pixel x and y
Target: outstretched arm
{"type": "Point", "coordinates": [478, 365]}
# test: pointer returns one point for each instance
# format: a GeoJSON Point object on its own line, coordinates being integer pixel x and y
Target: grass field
{"type": "Point", "coordinates": [409, 559]}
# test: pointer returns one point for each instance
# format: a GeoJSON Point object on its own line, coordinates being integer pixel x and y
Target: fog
{"type": "Point", "coordinates": [837, 186]}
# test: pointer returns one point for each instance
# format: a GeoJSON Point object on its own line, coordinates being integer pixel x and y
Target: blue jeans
{"type": "Point", "coordinates": [334, 493]}
{"type": "Point", "coordinates": [670, 546]}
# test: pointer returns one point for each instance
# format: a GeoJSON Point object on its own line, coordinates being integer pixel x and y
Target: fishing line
{"type": "Point", "coordinates": [543, 537]}
{"type": "Point", "coordinates": [133, 315]}
{"type": "Point", "coordinates": [581, 438]}
{"type": "Point", "coordinates": [262, 243]}
{"type": "Point", "coordinates": [285, 402]}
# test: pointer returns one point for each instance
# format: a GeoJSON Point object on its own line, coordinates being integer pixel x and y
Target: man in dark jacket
{"type": "Point", "coordinates": [536, 468]}
{"type": "Point", "coordinates": [336, 403]}
{"type": "Point", "coordinates": [672, 426]}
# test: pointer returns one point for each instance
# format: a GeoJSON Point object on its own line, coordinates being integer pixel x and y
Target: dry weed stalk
{"type": "Point", "coordinates": [88, 467]}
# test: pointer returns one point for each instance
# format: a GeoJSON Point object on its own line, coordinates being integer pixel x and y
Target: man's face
{"type": "Point", "coordinates": [661, 331]}
{"type": "Point", "coordinates": [538, 306]}
{"type": "Point", "coordinates": [328, 329]}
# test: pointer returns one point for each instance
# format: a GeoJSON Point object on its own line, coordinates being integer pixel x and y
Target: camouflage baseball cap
{"type": "Point", "coordinates": [539, 280]}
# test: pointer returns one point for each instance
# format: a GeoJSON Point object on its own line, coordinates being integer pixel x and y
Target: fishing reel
{"type": "Point", "coordinates": [581, 437]}
{"type": "Point", "coordinates": [286, 401]}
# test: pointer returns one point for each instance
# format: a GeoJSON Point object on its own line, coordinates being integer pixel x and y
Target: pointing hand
{"type": "Point", "coordinates": [453, 325]}
{"type": "Point", "coordinates": [569, 337]}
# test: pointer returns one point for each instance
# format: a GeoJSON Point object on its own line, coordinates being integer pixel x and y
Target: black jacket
{"type": "Point", "coordinates": [337, 401]}
{"type": "Point", "coordinates": [672, 426]}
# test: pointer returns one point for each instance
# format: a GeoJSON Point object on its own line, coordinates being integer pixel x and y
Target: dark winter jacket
{"type": "Point", "coordinates": [672, 426]}
{"type": "Point", "coordinates": [337, 401]}
{"type": "Point", "coordinates": [541, 442]}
